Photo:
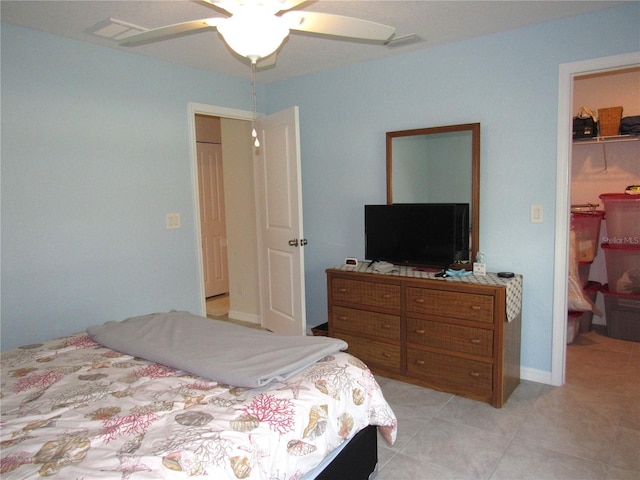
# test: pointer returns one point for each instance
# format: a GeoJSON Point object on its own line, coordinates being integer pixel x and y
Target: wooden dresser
{"type": "Point", "coordinates": [452, 335]}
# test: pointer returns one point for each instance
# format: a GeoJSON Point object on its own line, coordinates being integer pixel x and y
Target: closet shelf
{"type": "Point", "coordinates": [605, 140]}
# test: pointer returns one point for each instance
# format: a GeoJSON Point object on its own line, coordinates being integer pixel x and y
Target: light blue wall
{"type": "Point", "coordinates": [508, 83]}
{"type": "Point", "coordinates": [95, 153]}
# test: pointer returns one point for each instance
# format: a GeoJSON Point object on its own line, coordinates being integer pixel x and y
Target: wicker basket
{"type": "Point", "coordinates": [609, 120]}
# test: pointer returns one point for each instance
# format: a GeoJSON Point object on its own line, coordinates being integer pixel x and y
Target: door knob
{"type": "Point", "coordinates": [294, 242]}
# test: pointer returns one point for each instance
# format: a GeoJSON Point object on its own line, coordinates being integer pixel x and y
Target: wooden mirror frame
{"type": "Point", "coordinates": [474, 161]}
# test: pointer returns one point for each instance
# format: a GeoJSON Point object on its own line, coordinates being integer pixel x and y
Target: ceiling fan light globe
{"type": "Point", "coordinates": [253, 35]}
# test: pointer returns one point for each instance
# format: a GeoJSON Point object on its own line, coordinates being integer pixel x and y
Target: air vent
{"type": "Point", "coordinates": [114, 29]}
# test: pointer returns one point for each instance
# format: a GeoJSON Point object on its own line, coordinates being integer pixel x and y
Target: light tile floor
{"type": "Point", "coordinates": [587, 429]}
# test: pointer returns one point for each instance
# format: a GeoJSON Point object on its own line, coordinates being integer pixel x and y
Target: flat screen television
{"type": "Point", "coordinates": [419, 234]}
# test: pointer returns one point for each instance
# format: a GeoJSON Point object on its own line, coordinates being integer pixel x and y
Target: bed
{"type": "Point", "coordinates": [79, 408]}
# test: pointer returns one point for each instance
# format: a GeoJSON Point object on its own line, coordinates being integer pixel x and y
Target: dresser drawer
{"type": "Point", "coordinates": [366, 293]}
{"type": "Point", "coordinates": [477, 341]}
{"type": "Point", "coordinates": [448, 335]}
{"type": "Point", "coordinates": [467, 306]}
{"type": "Point", "coordinates": [372, 352]}
{"type": "Point", "coordinates": [436, 366]}
{"type": "Point", "coordinates": [370, 323]}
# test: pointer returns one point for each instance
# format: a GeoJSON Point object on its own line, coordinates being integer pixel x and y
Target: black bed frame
{"type": "Point", "coordinates": [357, 460]}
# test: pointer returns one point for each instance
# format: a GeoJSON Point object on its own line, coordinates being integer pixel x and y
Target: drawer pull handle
{"type": "Point", "coordinates": [475, 341]}
{"type": "Point", "coordinates": [386, 296]}
{"type": "Point", "coordinates": [420, 331]}
{"type": "Point", "coordinates": [419, 300]}
{"type": "Point", "coordinates": [342, 290]}
{"type": "Point", "coordinates": [386, 325]}
{"type": "Point", "coordinates": [386, 355]}
{"type": "Point", "coordinates": [419, 362]}
{"type": "Point", "coordinates": [476, 307]}
{"type": "Point", "coordinates": [342, 318]}
{"type": "Point", "coordinates": [474, 374]}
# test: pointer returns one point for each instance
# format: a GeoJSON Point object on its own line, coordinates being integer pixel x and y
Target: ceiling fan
{"type": "Point", "coordinates": [257, 28]}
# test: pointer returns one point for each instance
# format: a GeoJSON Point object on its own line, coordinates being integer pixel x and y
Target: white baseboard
{"type": "Point", "coordinates": [534, 375]}
{"type": "Point", "coordinates": [245, 317]}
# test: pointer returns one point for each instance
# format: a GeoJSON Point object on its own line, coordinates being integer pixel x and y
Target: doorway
{"type": "Point", "coordinates": [563, 195]}
{"type": "Point", "coordinates": [213, 223]}
{"type": "Point", "coordinates": [265, 191]}
{"type": "Point", "coordinates": [240, 242]}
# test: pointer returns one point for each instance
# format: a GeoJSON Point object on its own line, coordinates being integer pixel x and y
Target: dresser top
{"type": "Point", "coordinates": [417, 272]}
{"type": "Point", "coordinates": [513, 285]}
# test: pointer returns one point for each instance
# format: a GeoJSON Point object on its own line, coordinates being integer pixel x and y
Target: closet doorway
{"type": "Point", "coordinates": [567, 75]}
{"type": "Point", "coordinates": [213, 225]}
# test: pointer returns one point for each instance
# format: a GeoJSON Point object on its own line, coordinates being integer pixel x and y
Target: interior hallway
{"type": "Point", "coordinates": [218, 306]}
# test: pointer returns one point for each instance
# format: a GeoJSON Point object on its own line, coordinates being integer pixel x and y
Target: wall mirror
{"type": "Point", "coordinates": [437, 165]}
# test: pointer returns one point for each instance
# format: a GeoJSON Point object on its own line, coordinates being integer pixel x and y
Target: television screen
{"type": "Point", "coordinates": [428, 234]}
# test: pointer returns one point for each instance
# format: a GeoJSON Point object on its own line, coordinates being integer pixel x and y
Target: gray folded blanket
{"type": "Point", "coordinates": [214, 349]}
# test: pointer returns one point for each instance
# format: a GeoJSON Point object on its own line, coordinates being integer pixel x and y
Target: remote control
{"type": "Point", "coordinates": [505, 274]}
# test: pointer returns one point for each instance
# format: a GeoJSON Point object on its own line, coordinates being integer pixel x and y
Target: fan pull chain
{"type": "Point", "coordinates": [254, 133]}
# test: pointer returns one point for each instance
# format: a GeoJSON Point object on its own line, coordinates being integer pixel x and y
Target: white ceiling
{"type": "Point", "coordinates": [435, 22]}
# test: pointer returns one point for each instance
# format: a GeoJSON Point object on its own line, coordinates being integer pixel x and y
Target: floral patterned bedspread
{"type": "Point", "coordinates": [74, 409]}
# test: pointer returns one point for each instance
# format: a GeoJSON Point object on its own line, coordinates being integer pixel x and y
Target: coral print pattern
{"type": "Point", "coordinates": [73, 409]}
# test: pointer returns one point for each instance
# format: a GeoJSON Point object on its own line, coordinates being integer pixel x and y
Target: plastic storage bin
{"type": "Point", "coordinates": [586, 319]}
{"type": "Point", "coordinates": [573, 326]}
{"type": "Point", "coordinates": [583, 273]}
{"type": "Point", "coordinates": [587, 229]}
{"type": "Point", "coordinates": [622, 213]}
{"type": "Point", "coordinates": [623, 315]}
{"type": "Point", "coordinates": [623, 268]}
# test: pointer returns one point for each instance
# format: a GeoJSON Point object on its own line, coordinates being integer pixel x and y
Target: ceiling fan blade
{"type": "Point", "coordinates": [169, 31]}
{"type": "Point", "coordinates": [289, 4]}
{"type": "Point", "coordinates": [338, 25]}
{"type": "Point", "coordinates": [266, 62]}
{"type": "Point", "coordinates": [230, 6]}
{"type": "Point", "coordinates": [272, 6]}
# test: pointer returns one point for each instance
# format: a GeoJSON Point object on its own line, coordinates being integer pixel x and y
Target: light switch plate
{"type": "Point", "coordinates": [537, 213]}
{"type": "Point", "coordinates": [173, 221]}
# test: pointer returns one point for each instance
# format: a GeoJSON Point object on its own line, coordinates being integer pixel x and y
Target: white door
{"type": "Point", "coordinates": [279, 211]}
{"type": "Point", "coordinates": [212, 219]}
